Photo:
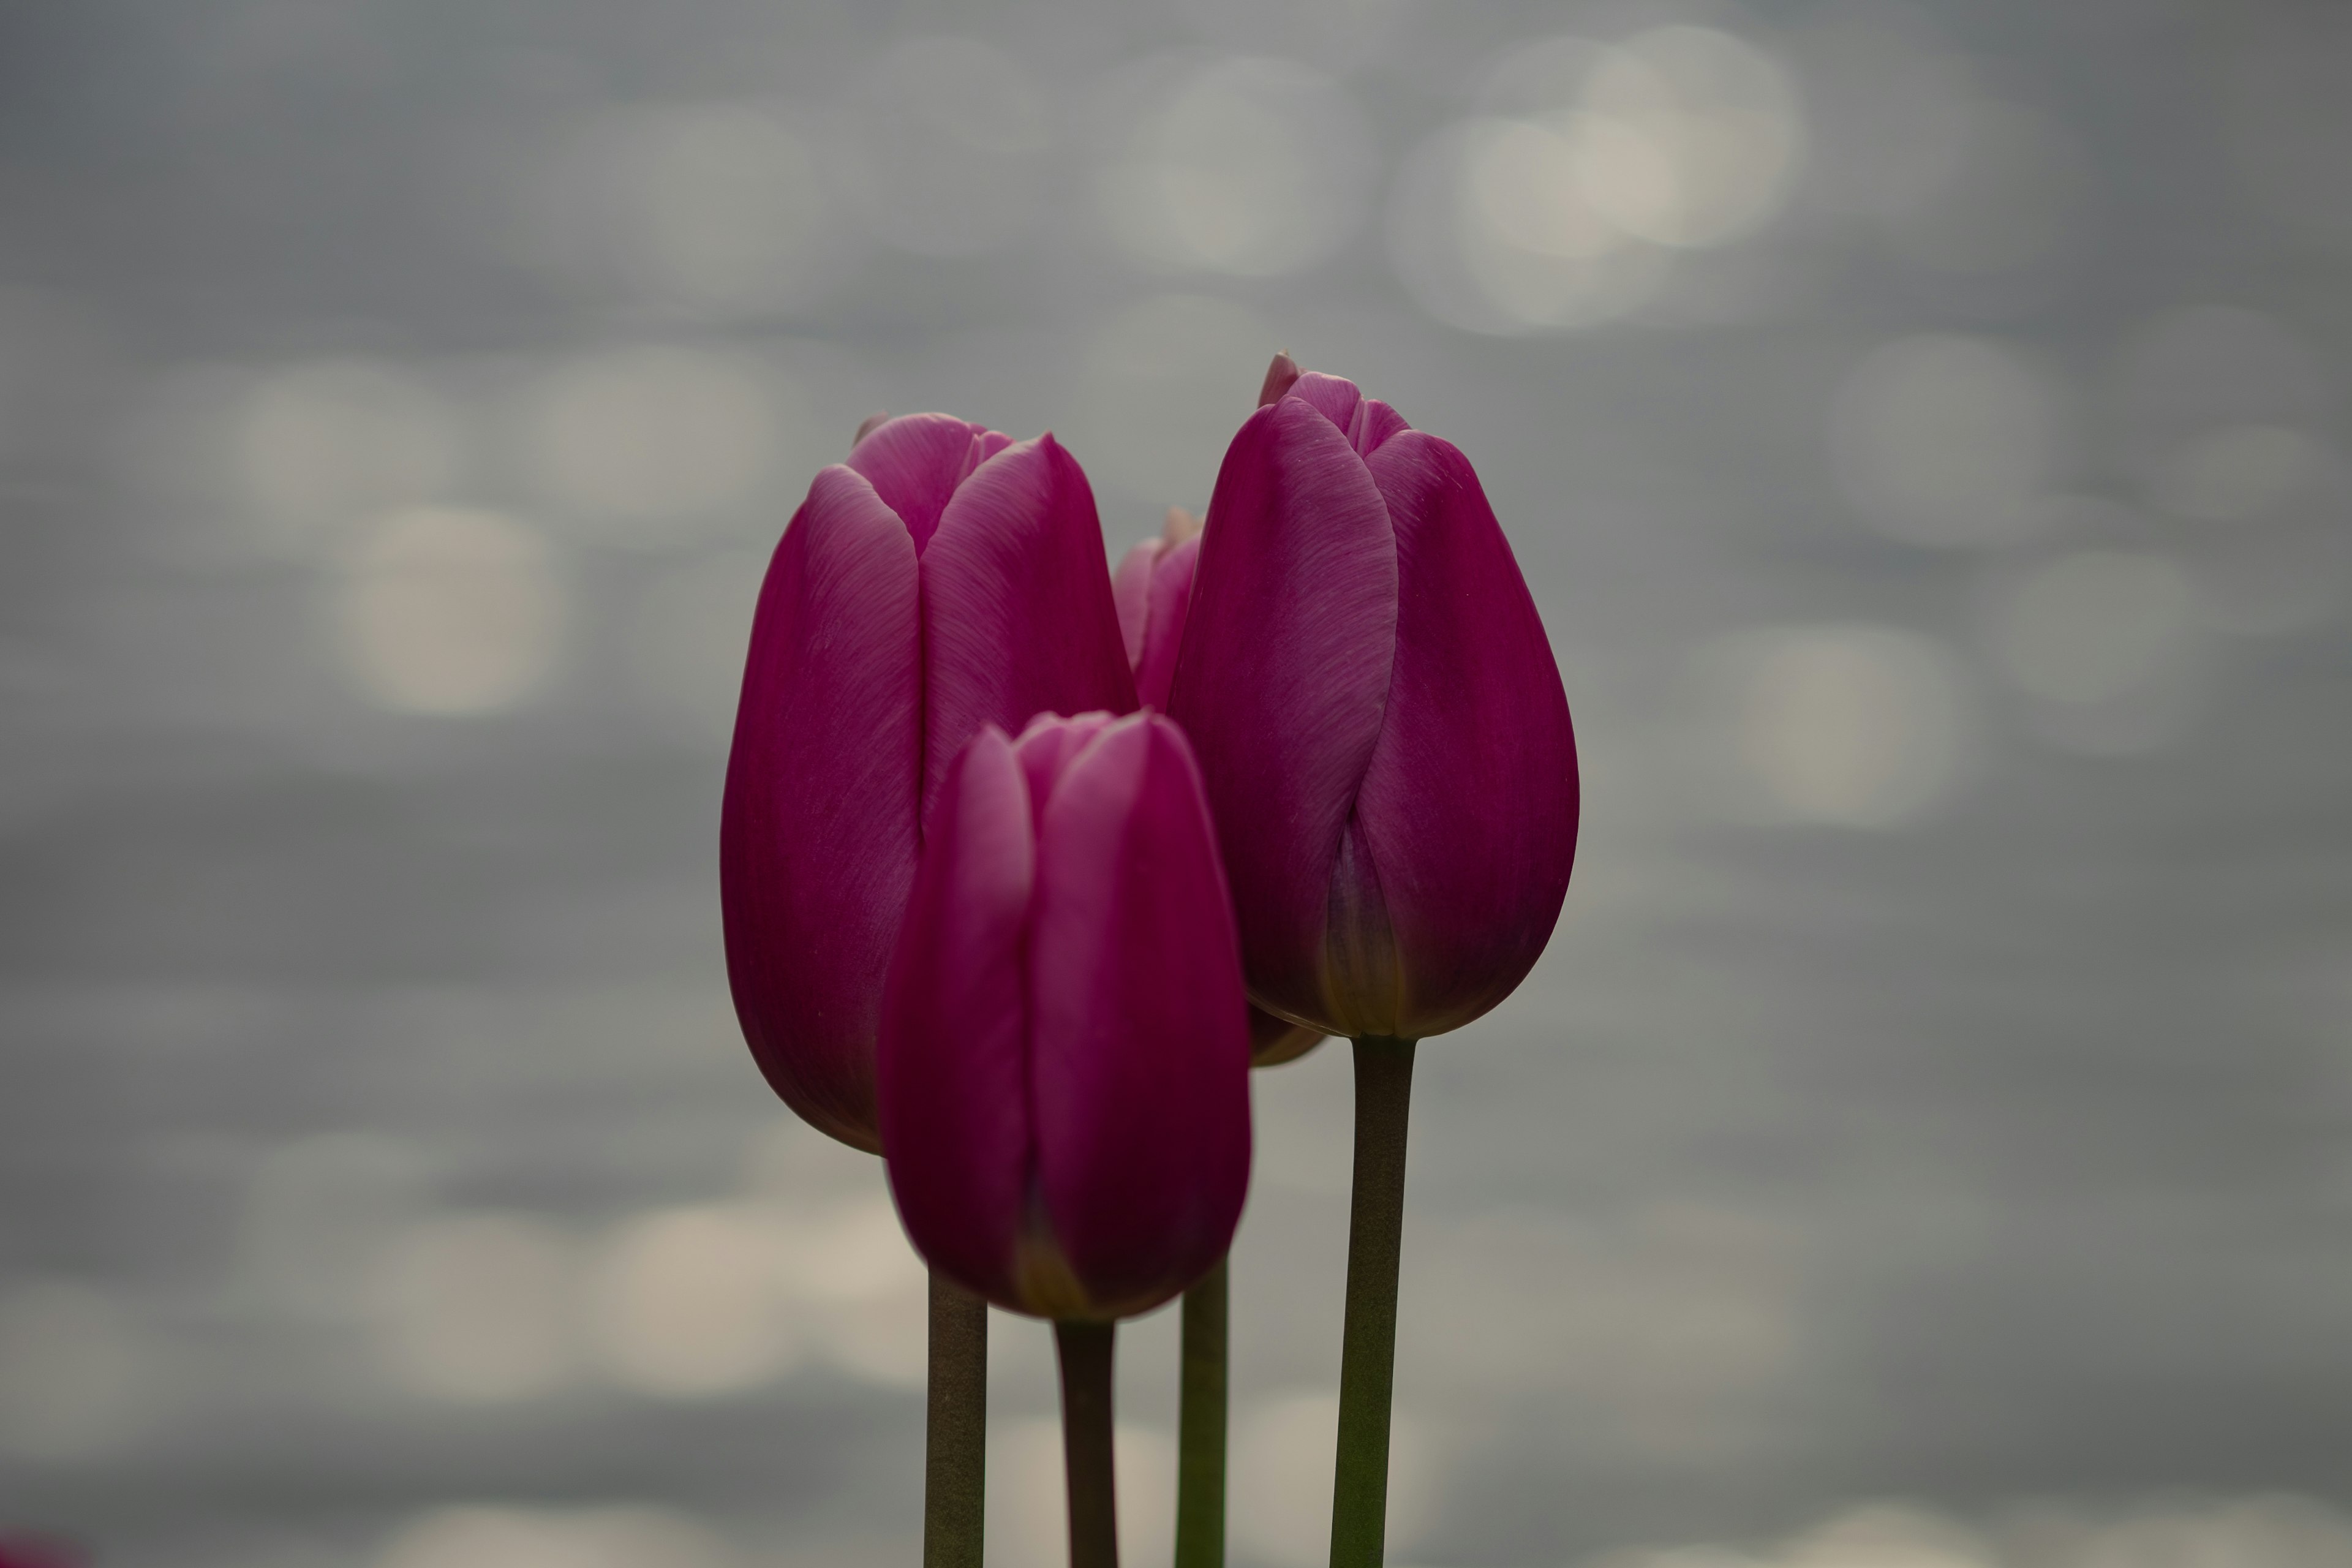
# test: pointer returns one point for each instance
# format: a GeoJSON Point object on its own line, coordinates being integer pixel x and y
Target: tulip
{"type": "Point", "coordinates": [1064, 1058]}
{"type": "Point", "coordinates": [1378, 720]}
{"type": "Point", "coordinates": [1153, 589]}
{"type": "Point", "coordinates": [1386, 745]}
{"type": "Point", "coordinates": [943, 578]}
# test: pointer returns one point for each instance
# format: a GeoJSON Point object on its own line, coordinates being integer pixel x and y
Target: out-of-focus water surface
{"type": "Point", "coordinates": [1925, 1144]}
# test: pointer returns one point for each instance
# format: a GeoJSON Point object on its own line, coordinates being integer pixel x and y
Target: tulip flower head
{"type": "Point", "coordinates": [943, 578]}
{"type": "Point", "coordinates": [1378, 720]}
{"type": "Point", "coordinates": [1064, 1056]}
{"type": "Point", "coordinates": [1152, 587]}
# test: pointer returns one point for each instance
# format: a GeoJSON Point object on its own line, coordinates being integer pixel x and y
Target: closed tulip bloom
{"type": "Point", "coordinates": [1152, 587]}
{"type": "Point", "coordinates": [943, 578]}
{"type": "Point", "coordinates": [1379, 720]}
{"type": "Point", "coordinates": [1064, 1056]}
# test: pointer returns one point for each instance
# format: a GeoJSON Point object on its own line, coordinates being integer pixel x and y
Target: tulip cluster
{"type": "Point", "coordinates": [1023, 864]}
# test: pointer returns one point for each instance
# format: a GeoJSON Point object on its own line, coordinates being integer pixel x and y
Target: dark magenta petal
{"type": "Point", "coordinates": [1140, 1057]}
{"type": "Point", "coordinates": [1469, 808]}
{"type": "Point", "coordinates": [1170, 597]}
{"type": "Point", "coordinates": [1284, 677]}
{"type": "Point", "coordinates": [1374, 423]}
{"type": "Point", "coordinates": [916, 461]}
{"type": "Point", "coordinates": [953, 1069]}
{"type": "Point", "coordinates": [1017, 613]}
{"type": "Point", "coordinates": [1047, 747]}
{"type": "Point", "coordinates": [1130, 593]}
{"type": "Point", "coordinates": [1329, 396]}
{"type": "Point", "coordinates": [817, 835]}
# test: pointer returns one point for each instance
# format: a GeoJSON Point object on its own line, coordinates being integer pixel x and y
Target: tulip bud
{"type": "Point", "coordinates": [1379, 723]}
{"type": "Point", "coordinates": [1151, 588]}
{"type": "Point", "coordinates": [944, 578]}
{"type": "Point", "coordinates": [1064, 1056]}
{"type": "Point", "coordinates": [1154, 588]}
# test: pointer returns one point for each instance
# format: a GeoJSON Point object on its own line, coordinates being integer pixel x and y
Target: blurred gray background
{"type": "Point", "coordinates": [1923, 430]}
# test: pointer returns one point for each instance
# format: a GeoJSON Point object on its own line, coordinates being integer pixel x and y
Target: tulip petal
{"type": "Point", "coordinates": [1017, 611]}
{"type": "Point", "coordinates": [1140, 1063]}
{"type": "Point", "coordinates": [1373, 424]}
{"type": "Point", "coordinates": [916, 461]}
{"type": "Point", "coordinates": [1280, 377]}
{"type": "Point", "coordinates": [1469, 807]}
{"type": "Point", "coordinates": [1284, 677]}
{"type": "Point", "coordinates": [953, 1069]}
{"type": "Point", "coordinates": [817, 835]}
{"type": "Point", "coordinates": [1046, 748]}
{"type": "Point", "coordinates": [1163, 626]}
{"type": "Point", "coordinates": [1130, 592]}
{"type": "Point", "coordinates": [1334, 398]}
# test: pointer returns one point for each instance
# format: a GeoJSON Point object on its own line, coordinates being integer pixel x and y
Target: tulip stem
{"type": "Point", "coordinates": [1086, 1355]}
{"type": "Point", "coordinates": [955, 1432]}
{"type": "Point", "coordinates": [1201, 1426]}
{"type": "Point", "coordinates": [1359, 1489]}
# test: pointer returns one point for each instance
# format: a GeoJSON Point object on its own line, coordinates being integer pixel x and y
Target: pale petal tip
{"type": "Point", "coordinates": [1279, 378]}
{"type": "Point", "coordinates": [868, 425]}
{"type": "Point", "coordinates": [1181, 526]}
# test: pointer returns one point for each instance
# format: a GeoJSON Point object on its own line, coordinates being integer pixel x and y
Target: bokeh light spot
{"type": "Point", "coordinates": [1285, 1447]}
{"type": "Point", "coordinates": [685, 1304]}
{"type": "Point", "coordinates": [447, 611]}
{"type": "Point", "coordinates": [706, 210]}
{"type": "Point", "coordinates": [1945, 440]}
{"type": "Point", "coordinates": [945, 157]}
{"type": "Point", "coordinates": [1249, 167]}
{"type": "Point", "coordinates": [2238, 472]}
{"type": "Point", "coordinates": [487, 1536]}
{"type": "Point", "coordinates": [1699, 132]}
{"type": "Point", "coordinates": [478, 1308]}
{"type": "Point", "coordinates": [322, 444]}
{"type": "Point", "coordinates": [1852, 726]}
{"type": "Point", "coordinates": [1027, 1517]}
{"type": "Point", "coordinates": [2091, 627]}
{"type": "Point", "coordinates": [1560, 203]}
{"type": "Point", "coordinates": [649, 438]}
{"type": "Point", "coordinates": [316, 1210]}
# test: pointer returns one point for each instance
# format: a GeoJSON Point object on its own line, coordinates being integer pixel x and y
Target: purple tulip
{"type": "Point", "coordinates": [1379, 720]}
{"type": "Point", "coordinates": [1152, 587]}
{"type": "Point", "coordinates": [944, 578]}
{"type": "Point", "coordinates": [1065, 1060]}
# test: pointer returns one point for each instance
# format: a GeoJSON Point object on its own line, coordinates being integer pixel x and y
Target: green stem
{"type": "Point", "coordinates": [1086, 1355]}
{"type": "Point", "coordinates": [1360, 1491]}
{"type": "Point", "coordinates": [1201, 1426]}
{"type": "Point", "coordinates": [955, 1433]}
